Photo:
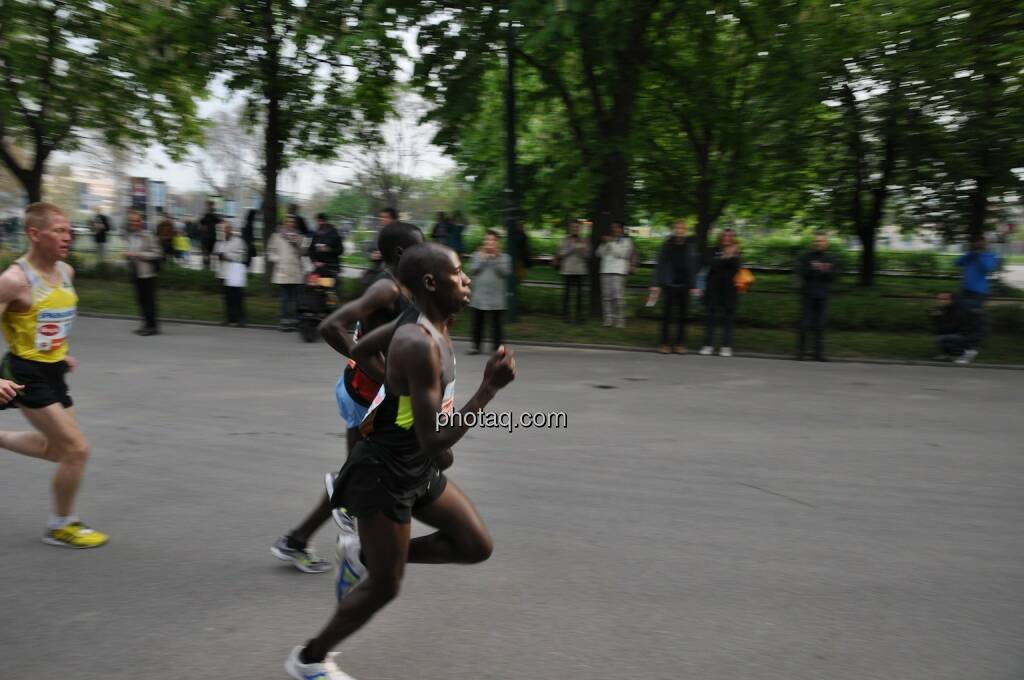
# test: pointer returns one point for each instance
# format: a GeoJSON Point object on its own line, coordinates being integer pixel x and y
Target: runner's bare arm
{"type": "Point", "coordinates": [336, 329]}
{"type": "Point", "coordinates": [11, 285]}
{"type": "Point", "coordinates": [416, 356]}
{"type": "Point", "coordinates": [369, 352]}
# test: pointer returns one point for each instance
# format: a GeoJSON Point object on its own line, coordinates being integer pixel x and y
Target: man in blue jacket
{"type": "Point", "coordinates": [977, 263]}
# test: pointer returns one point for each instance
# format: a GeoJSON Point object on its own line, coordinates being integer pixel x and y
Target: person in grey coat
{"type": "Point", "coordinates": [489, 269]}
{"type": "Point", "coordinates": [571, 258]}
{"type": "Point", "coordinates": [143, 255]}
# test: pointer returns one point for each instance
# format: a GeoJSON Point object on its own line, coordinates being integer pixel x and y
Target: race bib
{"type": "Point", "coordinates": [448, 399]}
{"type": "Point", "coordinates": [52, 328]}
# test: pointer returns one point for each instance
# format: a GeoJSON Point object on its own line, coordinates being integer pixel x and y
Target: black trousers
{"type": "Point", "coordinates": [812, 320]}
{"type": "Point", "coordinates": [145, 293]}
{"type": "Point", "coordinates": [234, 304]}
{"type": "Point", "coordinates": [570, 281]}
{"type": "Point", "coordinates": [676, 297]}
{"type": "Point", "coordinates": [479, 318]}
{"type": "Point", "coordinates": [719, 315]}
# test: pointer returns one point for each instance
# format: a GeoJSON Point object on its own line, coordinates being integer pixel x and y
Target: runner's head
{"type": "Point", "coordinates": [434, 276]}
{"type": "Point", "coordinates": [48, 230]}
{"type": "Point", "coordinates": [395, 239]}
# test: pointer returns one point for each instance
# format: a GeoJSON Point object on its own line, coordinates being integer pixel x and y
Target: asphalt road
{"type": "Point", "coordinates": [698, 518]}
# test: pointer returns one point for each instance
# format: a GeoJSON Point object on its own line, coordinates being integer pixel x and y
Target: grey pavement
{"type": "Point", "coordinates": [699, 518]}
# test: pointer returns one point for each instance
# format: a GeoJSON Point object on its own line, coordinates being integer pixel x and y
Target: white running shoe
{"type": "Point", "coordinates": [344, 520]}
{"type": "Point", "coordinates": [706, 351]}
{"type": "Point", "coordinates": [351, 570]}
{"type": "Point", "coordinates": [325, 670]}
{"type": "Point", "coordinates": [725, 352]}
{"type": "Point", "coordinates": [967, 357]}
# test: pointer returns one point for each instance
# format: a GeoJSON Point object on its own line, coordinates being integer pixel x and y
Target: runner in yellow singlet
{"type": "Point", "coordinates": [37, 307]}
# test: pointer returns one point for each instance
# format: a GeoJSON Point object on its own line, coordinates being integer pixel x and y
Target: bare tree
{"type": "Point", "coordinates": [229, 160]}
{"type": "Point", "coordinates": [384, 166]}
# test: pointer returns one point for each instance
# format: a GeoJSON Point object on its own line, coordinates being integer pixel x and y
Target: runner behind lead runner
{"type": "Point", "coordinates": [394, 474]}
{"type": "Point", "coordinates": [37, 307]}
{"type": "Point", "coordinates": [381, 303]}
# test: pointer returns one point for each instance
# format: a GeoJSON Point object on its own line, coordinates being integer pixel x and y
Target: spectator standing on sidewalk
{"type": "Point", "coordinates": [208, 233]}
{"type": "Point", "coordinates": [676, 276]}
{"type": "Point", "coordinates": [232, 253]}
{"type": "Point", "coordinates": [571, 258]}
{"type": "Point", "coordinates": [165, 235]}
{"type": "Point", "coordinates": [489, 269]}
{"type": "Point", "coordinates": [143, 254]}
{"type": "Point", "coordinates": [326, 248]}
{"type": "Point", "coordinates": [817, 270]}
{"type": "Point", "coordinates": [616, 253]}
{"type": "Point", "coordinates": [720, 294]}
{"type": "Point", "coordinates": [285, 252]}
{"type": "Point", "coordinates": [100, 226]}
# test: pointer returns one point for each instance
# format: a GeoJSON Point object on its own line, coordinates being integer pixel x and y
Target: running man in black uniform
{"type": "Point", "coordinates": [380, 304]}
{"type": "Point", "coordinates": [394, 474]}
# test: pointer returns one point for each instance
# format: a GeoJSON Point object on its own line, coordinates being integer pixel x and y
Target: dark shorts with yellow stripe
{"type": "Point", "coordinates": [44, 382]}
{"type": "Point", "coordinates": [367, 485]}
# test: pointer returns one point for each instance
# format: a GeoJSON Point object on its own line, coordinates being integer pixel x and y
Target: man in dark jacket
{"type": "Point", "coordinates": [817, 270]}
{"type": "Point", "coordinates": [208, 233]}
{"type": "Point", "coordinates": [955, 326]}
{"type": "Point", "coordinates": [676, 276]}
{"type": "Point", "coordinates": [326, 248]}
{"type": "Point", "coordinates": [100, 226]}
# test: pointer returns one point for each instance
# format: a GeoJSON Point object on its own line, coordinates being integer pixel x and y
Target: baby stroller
{"type": "Point", "coordinates": [317, 299]}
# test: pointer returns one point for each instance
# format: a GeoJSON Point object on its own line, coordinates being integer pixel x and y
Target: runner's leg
{"type": "Point", "coordinates": [461, 535]}
{"type": "Point", "coordinates": [65, 445]}
{"type": "Point", "coordinates": [385, 545]}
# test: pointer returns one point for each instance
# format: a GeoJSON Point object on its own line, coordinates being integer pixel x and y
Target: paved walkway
{"type": "Point", "coordinates": [699, 518]}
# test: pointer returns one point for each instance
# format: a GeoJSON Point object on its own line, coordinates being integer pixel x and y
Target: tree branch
{"type": "Point", "coordinates": [554, 80]}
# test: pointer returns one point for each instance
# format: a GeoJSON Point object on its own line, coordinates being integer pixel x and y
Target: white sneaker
{"type": "Point", "coordinates": [344, 520]}
{"type": "Point", "coordinates": [325, 670]}
{"type": "Point", "coordinates": [706, 351]}
{"type": "Point", "coordinates": [725, 352]}
{"type": "Point", "coordinates": [351, 570]}
{"type": "Point", "coordinates": [967, 357]}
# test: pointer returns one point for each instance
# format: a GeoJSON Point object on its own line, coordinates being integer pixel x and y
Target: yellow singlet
{"type": "Point", "coordinates": [41, 332]}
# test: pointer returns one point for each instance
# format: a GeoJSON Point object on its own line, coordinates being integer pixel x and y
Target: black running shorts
{"type": "Point", "coordinates": [44, 382]}
{"type": "Point", "coordinates": [365, 485]}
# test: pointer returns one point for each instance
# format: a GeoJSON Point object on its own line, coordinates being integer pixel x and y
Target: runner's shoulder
{"type": "Point", "coordinates": [411, 344]}
{"type": "Point", "coordinates": [12, 282]}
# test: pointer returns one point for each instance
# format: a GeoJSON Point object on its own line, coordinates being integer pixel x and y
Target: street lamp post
{"type": "Point", "coordinates": [511, 188]}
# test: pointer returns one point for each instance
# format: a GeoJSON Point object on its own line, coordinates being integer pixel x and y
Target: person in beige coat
{"type": "Point", "coordinates": [285, 252]}
{"type": "Point", "coordinates": [143, 254]}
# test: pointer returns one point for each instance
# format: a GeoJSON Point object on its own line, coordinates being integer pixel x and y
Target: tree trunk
{"type": "Point", "coordinates": [33, 183]}
{"type": "Point", "coordinates": [978, 209]}
{"type": "Point", "coordinates": [866, 266]}
{"type": "Point", "coordinates": [272, 146]}
{"type": "Point", "coordinates": [610, 205]}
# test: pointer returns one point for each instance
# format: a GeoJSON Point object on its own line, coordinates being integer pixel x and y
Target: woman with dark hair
{"type": "Point", "coordinates": [249, 233]}
{"type": "Point", "coordinates": [720, 293]}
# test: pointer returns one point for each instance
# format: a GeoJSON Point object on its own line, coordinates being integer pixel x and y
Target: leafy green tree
{"type": "Point", "coordinates": [69, 68]}
{"type": "Point", "coordinates": [314, 75]}
{"type": "Point", "coordinates": [719, 120]}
